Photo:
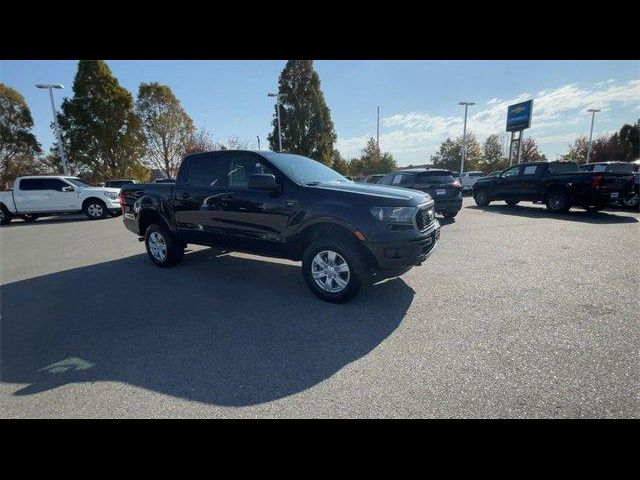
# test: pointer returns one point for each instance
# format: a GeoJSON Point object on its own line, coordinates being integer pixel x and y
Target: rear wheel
{"type": "Point", "coordinates": [5, 215]}
{"type": "Point", "coordinates": [481, 197]}
{"type": "Point", "coordinates": [631, 201]}
{"type": "Point", "coordinates": [29, 218]}
{"type": "Point", "coordinates": [450, 214]}
{"type": "Point", "coordinates": [558, 202]}
{"type": "Point", "coordinates": [512, 203]}
{"type": "Point", "coordinates": [333, 270]}
{"type": "Point", "coordinates": [163, 248]}
{"type": "Point", "coordinates": [95, 209]}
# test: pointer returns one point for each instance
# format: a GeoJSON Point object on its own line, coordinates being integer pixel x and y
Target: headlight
{"type": "Point", "coordinates": [394, 214]}
{"type": "Point", "coordinates": [111, 195]}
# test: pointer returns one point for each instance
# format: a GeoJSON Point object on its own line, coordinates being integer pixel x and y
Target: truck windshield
{"type": "Point", "coordinates": [304, 170]}
{"type": "Point", "coordinates": [77, 182]}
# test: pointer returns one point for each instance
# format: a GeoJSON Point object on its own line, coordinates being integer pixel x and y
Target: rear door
{"type": "Point", "coordinates": [199, 195]}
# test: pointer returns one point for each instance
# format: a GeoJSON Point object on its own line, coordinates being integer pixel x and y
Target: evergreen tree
{"type": "Point", "coordinates": [305, 119]}
{"type": "Point", "coordinates": [101, 132]}
{"type": "Point", "coordinates": [449, 154]}
{"type": "Point", "coordinates": [18, 145]}
{"type": "Point", "coordinates": [493, 154]}
{"type": "Point", "coordinates": [372, 161]}
{"type": "Point", "coordinates": [339, 164]}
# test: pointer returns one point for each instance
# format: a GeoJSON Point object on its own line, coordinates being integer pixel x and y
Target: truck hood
{"type": "Point", "coordinates": [413, 197]}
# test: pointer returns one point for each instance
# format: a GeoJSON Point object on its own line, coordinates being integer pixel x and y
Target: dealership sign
{"type": "Point", "coordinates": [519, 116]}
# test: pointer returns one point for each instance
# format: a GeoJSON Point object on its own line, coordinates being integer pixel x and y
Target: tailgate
{"type": "Point", "coordinates": [439, 191]}
{"type": "Point", "coordinates": [616, 182]}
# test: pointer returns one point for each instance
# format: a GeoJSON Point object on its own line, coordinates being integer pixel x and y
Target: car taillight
{"type": "Point", "coordinates": [121, 198]}
{"type": "Point", "coordinates": [457, 184]}
{"type": "Point", "coordinates": [596, 181]}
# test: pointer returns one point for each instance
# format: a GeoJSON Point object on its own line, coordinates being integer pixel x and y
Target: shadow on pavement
{"type": "Point", "coordinates": [574, 215]}
{"type": "Point", "coordinates": [69, 218]}
{"type": "Point", "coordinates": [222, 330]}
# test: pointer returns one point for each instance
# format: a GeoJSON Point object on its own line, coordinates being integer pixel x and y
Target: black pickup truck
{"type": "Point", "coordinates": [560, 185]}
{"type": "Point", "coordinates": [287, 206]}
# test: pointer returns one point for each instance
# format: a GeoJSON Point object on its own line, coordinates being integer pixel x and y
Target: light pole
{"type": "Point", "coordinates": [277, 95]}
{"type": "Point", "coordinates": [593, 115]}
{"type": "Point", "coordinates": [50, 87]}
{"type": "Point", "coordinates": [258, 136]}
{"type": "Point", "coordinates": [464, 135]}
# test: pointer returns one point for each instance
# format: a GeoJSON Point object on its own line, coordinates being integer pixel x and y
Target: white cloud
{"type": "Point", "coordinates": [554, 109]}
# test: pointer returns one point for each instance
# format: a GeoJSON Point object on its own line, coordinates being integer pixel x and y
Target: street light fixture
{"type": "Point", "coordinates": [593, 115]}
{"type": "Point", "coordinates": [464, 135]}
{"type": "Point", "coordinates": [50, 87]}
{"type": "Point", "coordinates": [277, 95]}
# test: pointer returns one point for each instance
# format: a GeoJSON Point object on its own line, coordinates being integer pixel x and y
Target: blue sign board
{"type": "Point", "coordinates": [519, 116]}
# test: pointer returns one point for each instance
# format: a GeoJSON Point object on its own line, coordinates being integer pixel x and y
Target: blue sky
{"type": "Point", "coordinates": [418, 99]}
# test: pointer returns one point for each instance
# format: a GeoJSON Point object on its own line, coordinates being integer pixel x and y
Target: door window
{"type": "Point", "coordinates": [386, 180]}
{"type": "Point", "coordinates": [242, 166]}
{"type": "Point", "coordinates": [531, 170]}
{"type": "Point", "coordinates": [31, 184]}
{"type": "Point", "coordinates": [207, 171]}
{"type": "Point", "coordinates": [512, 172]}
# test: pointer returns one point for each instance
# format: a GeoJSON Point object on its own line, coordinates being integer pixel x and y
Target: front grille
{"type": "Point", "coordinates": [424, 217]}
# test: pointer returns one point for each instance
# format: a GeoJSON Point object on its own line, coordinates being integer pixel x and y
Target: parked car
{"type": "Point", "coordinates": [373, 178]}
{"type": "Point", "coordinates": [440, 184]}
{"type": "Point", "coordinates": [164, 180]}
{"type": "Point", "coordinates": [493, 174]}
{"type": "Point", "coordinates": [281, 205]}
{"type": "Point", "coordinates": [119, 183]}
{"type": "Point", "coordinates": [467, 179]}
{"type": "Point", "coordinates": [560, 185]}
{"type": "Point", "coordinates": [35, 196]}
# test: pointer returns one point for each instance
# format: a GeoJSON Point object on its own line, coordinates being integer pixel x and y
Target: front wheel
{"type": "Point", "coordinates": [332, 270]}
{"type": "Point", "coordinates": [481, 197]}
{"type": "Point", "coordinates": [164, 249]}
{"type": "Point", "coordinates": [95, 209]}
{"type": "Point", "coordinates": [450, 214]}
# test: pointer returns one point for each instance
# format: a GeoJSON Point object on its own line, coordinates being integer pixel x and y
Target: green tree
{"type": "Point", "coordinates": [449, 154]}
{"type": "Point", "coordinates": [339, 164]}
{"type": "Point", "coordinates": [166, 127]}
{"type": "Point", "coordinates": [629, 136]}
{"type": "Point", "coordinates": [18, 145]}
{"type": "Point", "coordinates": [493, 157]}
{"type": "Point", "coordinates": [372, 161]}
{"type": "Point", "coordinates": [200, 141]}
{"type": "Point", "coordinates": [307, 128]}
{"type": "Point", "coordinates": [577, 150]}
{"type": "Point", "coordinates": [530, 152]}
{"type": "Point", "coordinates": [101, 132]}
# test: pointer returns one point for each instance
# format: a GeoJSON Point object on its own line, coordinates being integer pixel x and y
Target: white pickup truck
{"type": "Point", "coordinates": [36, 196]}
{"type": "Point", "coordinates": [467, 179]}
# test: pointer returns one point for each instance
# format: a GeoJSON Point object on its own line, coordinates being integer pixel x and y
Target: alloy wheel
{"type": "Point", "coordinates": [330, 271]}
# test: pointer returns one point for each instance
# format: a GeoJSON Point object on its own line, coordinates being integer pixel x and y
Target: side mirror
{"type": "Point", "coordinates": [68, 189]}
{"type": "Point", "coordinates": [262, 181]}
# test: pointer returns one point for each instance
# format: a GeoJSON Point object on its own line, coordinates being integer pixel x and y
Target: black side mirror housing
{"type": "Point", "coordinates": [262, 181]}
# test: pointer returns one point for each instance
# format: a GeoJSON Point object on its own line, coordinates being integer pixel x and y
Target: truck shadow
{"type": "Point", "coordinates": [223, 330]}
{"type": "Point", "coordinates": [69, 218]}
{"type": "Point", "coordinates": [574, 215]}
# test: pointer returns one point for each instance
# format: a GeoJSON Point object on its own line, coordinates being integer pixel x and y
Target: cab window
{"type": "Point", "coordinates": [511, 172]}
{"type": "Point", "coordinates": [207, 171]}
{"type": "Point", "coordinates": [242, 166]}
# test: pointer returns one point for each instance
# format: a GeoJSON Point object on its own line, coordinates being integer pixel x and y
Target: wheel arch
{"type": "Point", "coordinates": [148, 216]}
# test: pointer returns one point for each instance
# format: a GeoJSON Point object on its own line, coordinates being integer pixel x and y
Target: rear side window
{"type": "Point", "coordinates": [207, 171]}
{"type": "Point", "coordinates": [511, 172]}
{"type": "Point", "coordinates": [386, 180]}
{"type": "Point", "coordinates": [31, 184]}
{"type": "Point", "coordinates": [531, 170]}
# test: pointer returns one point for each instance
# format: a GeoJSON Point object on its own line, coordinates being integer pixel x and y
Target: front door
{"type": "Point", "coordinates": [507, 184]}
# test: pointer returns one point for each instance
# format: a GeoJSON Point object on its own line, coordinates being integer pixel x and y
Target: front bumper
{"type": "Point", "coordinates": [400, 255]}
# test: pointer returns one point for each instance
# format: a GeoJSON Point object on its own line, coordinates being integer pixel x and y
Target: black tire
{"type": "Point", "coordinates": [5, 216]}
{"type": "Point", "coordinates": [95, 209]}
{"type": "Point", "coordinates": [512, 203]}
{"type": "Point", "coordinates": [481, 197]}
{"type": "Point", "coordinates": [450, 214]}
{"type": "Point", "coordinates": [174, 247]}
{"type": "Point", "coordinates": [350, 254]}
{"type": "Point", "coordinates": [29, 218]}
{"type": "Point", "coordinates": [558, 202]}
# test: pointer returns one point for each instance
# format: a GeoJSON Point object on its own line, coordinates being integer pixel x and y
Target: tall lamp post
{"type": "Point", "coordinates": [50, 87]}
{"type": "Point", "coordinates": [464, 134]}
{"type": "Point", "coordinates": [593, 115]}
{"type": "Point", "coordinates": [277, 95]}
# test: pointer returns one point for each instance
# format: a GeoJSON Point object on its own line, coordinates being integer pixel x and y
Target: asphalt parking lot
{"type": "Point", "coordinates": [519, 313]}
